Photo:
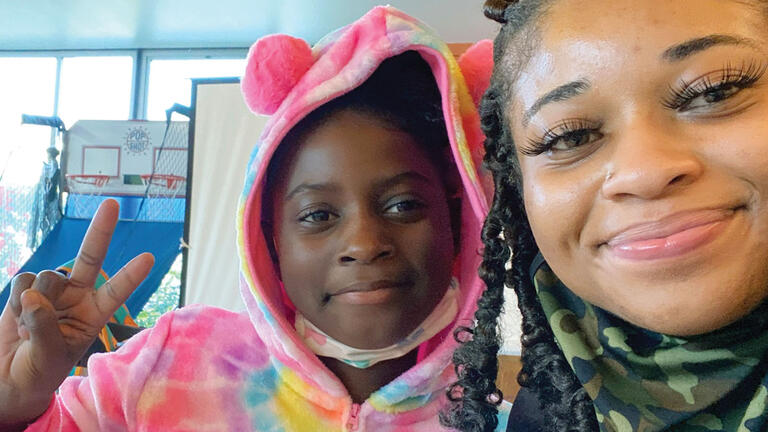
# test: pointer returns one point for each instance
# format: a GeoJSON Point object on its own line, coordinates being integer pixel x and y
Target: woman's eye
{"type": "Point", "coordinates": [571, 140]}
{"type": "Point", "coordinates": [710, 97]}
{"type": "Point", "coordinates": [714, 89]}
{"type": "Point", "coordinates": [719, 94]}
{"type": "Point", "coordinates": [567, 139]}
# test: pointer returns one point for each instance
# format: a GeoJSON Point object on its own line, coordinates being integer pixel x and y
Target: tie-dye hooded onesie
{"type": "Point", "coordinates": [207, 369]}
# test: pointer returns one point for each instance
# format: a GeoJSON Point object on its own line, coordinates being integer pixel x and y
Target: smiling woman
{"type": "Point", "coordinates": [658, 162]}
{"type": "Point", "coordinates": [629, 145]}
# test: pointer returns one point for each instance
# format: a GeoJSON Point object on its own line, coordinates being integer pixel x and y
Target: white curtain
{"type": "Point", "coordinates": [225, 133]}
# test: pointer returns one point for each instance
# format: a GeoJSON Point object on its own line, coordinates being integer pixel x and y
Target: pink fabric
{"type": "Point", "coordinates": [276, 63]}
{"type": "Point", "coordinates": [477, 66]}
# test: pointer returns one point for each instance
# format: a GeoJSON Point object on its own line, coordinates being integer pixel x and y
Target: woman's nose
{"type": "Point", "coordinates": [649, 161]}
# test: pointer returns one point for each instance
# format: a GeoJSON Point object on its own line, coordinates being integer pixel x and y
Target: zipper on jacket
{"type": "Point", "coordinates": [354, 418]}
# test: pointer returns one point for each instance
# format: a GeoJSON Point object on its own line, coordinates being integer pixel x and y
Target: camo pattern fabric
{"type": "Point", "coordinates": [644, 381]}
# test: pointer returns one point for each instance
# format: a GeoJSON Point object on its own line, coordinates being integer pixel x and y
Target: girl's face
{"type": "Point", "coordinates": [363, 233]}
{"type": "Point", "coordinates": [642, 133]}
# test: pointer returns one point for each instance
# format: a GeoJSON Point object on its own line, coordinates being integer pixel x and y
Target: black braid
{"type": "Point", "coordinates": [475, 394]}
{"type": "Point", "coordinates": [544, 367]}
{"type": "Point", "coordinates": [496, 9]}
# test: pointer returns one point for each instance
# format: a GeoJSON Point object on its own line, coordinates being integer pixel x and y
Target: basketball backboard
{"type": "Point", "coordinates": [131, 154]}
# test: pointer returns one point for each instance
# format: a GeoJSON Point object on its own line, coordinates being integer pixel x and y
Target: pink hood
{"type": "Point", "coordinates": [287, 79]}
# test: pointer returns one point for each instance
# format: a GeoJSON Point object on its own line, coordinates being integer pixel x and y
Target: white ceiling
{"type": "Point", "coordinates": [131, 24]}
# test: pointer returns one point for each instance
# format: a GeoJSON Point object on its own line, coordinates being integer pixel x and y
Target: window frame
{"type": "Point", "coordinates": [60, 55]}
{"type": "Point", "coordinates": [142, 59]}
{"type": "Point", "coordinates": [146, 57]}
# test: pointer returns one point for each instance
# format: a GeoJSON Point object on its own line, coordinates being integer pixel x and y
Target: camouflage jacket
{"type": "Point", "coordinates": [645, 381]}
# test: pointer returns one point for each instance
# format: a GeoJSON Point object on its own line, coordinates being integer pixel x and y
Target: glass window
{"type": "Point", "coordinates": [170, 81]}
{"type": "Point", "coordinates": [27, 86]}
{"type": "Point", "coordinates": [95, 88]}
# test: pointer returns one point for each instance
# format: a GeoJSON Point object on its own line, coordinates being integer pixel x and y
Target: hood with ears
{"type": "Point", "coordinates": [287, 79]}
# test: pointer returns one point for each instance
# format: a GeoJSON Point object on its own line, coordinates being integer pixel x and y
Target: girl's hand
{"type": "Point", "coordinates": [51, 320]}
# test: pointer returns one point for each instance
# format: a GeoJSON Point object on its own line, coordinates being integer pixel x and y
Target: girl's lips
{"type": "Point", "coordinates": [671, 236]}
{"type": "Point", "coordinates": [369, 293]}
{"type": "Point", "coordinates": [376, 296]}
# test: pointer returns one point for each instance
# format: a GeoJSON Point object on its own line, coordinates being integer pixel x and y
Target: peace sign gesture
{"type": "Point", "coordinates": [50, 320]}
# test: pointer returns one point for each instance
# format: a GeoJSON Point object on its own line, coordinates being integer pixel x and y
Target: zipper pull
{"type": "Point", "coordinates": [354, 418]}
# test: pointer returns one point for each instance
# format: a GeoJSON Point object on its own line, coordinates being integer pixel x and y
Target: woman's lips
{"type": "Point", "coordinates": [671, 236]}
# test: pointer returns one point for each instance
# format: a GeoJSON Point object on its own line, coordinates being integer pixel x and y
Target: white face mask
{"type": "Point", "coordinates": [443, 314]}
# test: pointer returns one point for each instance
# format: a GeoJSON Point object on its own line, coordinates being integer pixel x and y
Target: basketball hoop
{"type": "Point", "coordinates": [90, 182]}
{"type": "Point", "coordinates": [82, 188]}
{"type": "Point", "coordinates": [163, 180]}
{"type": "Point", "coordinates": [164, 185]}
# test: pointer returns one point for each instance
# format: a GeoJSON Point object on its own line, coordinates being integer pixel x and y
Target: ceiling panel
{"type": "Point", "coordinates": [130, 24]}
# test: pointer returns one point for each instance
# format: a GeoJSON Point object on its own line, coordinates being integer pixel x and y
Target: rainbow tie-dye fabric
{"type": "Point", "coordinates": [207, 369]}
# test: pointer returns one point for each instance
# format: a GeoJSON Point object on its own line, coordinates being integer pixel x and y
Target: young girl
{"type": "Point", "coordinates": [629, 147]}
{"type": "Point", "coordinates": [358, 235]}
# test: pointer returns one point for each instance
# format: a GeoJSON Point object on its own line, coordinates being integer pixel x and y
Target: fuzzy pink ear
{"type": "Point", "coordinates": [477, 66]}
{"type": "Point", "coordinates": [275, 65]}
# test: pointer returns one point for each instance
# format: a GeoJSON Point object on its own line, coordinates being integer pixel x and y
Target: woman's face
{"type": "Point", "coordinates": [642, 133]}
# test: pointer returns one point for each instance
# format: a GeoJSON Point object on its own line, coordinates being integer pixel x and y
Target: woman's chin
{"type": "Point", "coordinates": [694, 317]}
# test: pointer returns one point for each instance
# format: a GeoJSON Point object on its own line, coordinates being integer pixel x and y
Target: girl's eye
{"type": "Point", "coordinates": [567, 137]}
{"type": "Point", "coordinates": [404, 207]}
{"type": "Point", "coordinates": [316, 216]}
{"type": "Point", "coordinates": [711, 90]}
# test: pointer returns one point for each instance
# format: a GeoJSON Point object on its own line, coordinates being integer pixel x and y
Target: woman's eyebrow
{"type": "Point", "coordinates": [561, 93]}
{"type": "Point", "coordinates": [683, 50]}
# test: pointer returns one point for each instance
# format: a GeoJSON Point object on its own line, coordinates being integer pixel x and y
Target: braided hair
{"type": "Point", "coordinates": [506, 233]}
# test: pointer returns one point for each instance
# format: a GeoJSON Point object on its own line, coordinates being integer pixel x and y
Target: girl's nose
{"type": "Point", "coordinates": [365, 241]}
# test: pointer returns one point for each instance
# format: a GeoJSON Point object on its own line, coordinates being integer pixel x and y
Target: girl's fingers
{"type": "Point", "coordinates": [50, 284]}
{"type": "Point", "coordinates": [39, 319]}
{"type": "Point", "coordinates": [95, 244]}
{"type": "Point", "coordinates": [19, 284]}
{"type": "Point", "coordinates": [117, 290]}
{"type": "Point", "coordinates": [9, 319]}
{"type": "Point", "coordinates": [48, 358]}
